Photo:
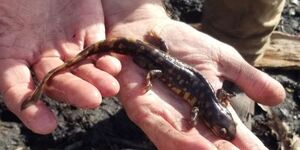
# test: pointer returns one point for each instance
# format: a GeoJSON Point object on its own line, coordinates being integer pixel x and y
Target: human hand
{"type": "Point", "coordinates": [41, 35]}
{"type": "Point", "coordinates": [162, 115]}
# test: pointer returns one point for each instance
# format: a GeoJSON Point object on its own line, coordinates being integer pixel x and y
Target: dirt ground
{"type": "Point", "coordinates": [108, 127]}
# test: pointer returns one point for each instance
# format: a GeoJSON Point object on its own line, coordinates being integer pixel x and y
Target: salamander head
{"type": "Point", "coordinates": [219, 119]}
{"type": "Point", "coordinates": [225, 129]}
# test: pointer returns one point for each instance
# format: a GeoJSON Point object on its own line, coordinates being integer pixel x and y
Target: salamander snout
{"type": "Point", "coordinates": [225, 129]}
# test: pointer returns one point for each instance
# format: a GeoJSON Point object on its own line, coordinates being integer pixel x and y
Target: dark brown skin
{"type": "Point", "coordinates": [187, 83]}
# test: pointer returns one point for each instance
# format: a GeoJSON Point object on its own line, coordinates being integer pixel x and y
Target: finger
{"type": "Point", "coordinates": [224, 145]}
{"type": "Point", "coordinates": [105, 82]}
{"type": "Point", "coordinates": [163, 134]}
{"type": "Point", "coordinates": [102, 80]}
{"type": "Point", "coordinates": [245, 139]}
{"type": "Point", "coordinates": [66, 86]}
{"type": "Point", "coordinates": [109, 64]}
{"type": "Point", "coordinates": [151, 120]}
{"type": "Point", "coordinates": [257, 84]}
{"type": "Point", "coordinates": [16, 85]}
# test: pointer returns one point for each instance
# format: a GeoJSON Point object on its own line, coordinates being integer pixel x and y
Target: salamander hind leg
{"type": "Point", "coordinates": [152, 38]}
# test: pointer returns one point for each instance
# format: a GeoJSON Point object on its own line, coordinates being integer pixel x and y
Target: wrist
{"type": "Point", "coordinates": [132, 10]}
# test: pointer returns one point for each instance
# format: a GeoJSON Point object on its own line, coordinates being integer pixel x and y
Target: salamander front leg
{"type": "Point", "coordinates": [152, 38]}
{"type": "Point", "coordinates": [152, 74]}
{"type": "Point", "coordinates": [194, 116]}
{"type": "Point", "coordinates": [224, 97]}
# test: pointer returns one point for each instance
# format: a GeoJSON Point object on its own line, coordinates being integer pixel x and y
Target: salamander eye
{"type": "Point", "coordinates": [223, 131]}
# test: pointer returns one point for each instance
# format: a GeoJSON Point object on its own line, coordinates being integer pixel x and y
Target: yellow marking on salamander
{"type": "Point", "coordinates": [193, 100]}
{"type": "Point", "coordinates": [176, 90]}
{"type": "Point", "coordinates": [186, 96]}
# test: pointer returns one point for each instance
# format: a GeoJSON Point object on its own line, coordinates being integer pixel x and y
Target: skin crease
{"type": "Point", "coordinates": [58, 30]}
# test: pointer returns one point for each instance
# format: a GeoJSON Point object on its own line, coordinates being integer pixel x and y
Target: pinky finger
{"type": "Point", "coordinates": [16, 85]}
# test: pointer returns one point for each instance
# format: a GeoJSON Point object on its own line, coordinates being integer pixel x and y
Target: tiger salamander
{"type": "Point", "coordinates": [180, 78]}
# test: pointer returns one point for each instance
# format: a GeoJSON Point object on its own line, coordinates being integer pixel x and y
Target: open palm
{"type": "Point", "coordinates": [40, 35]}
{"type": "Point", "coordinates": [163, 116]}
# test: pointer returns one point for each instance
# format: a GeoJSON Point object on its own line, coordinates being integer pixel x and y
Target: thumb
{"type": "Point", "coordinates": [255, 83]}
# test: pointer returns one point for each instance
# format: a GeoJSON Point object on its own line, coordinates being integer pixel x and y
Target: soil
{"type": "Point", "coordinates": [108, 126]}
